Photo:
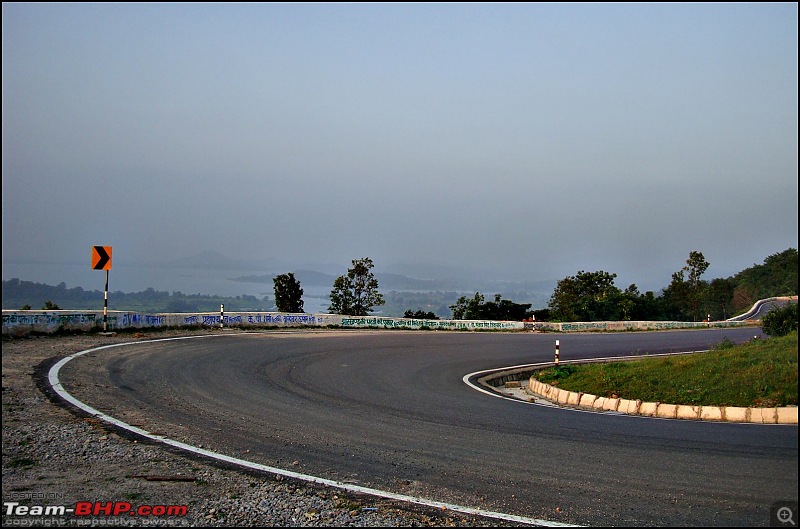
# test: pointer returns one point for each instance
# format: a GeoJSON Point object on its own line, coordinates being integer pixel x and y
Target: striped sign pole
{"type": "Point", "coordinates": [105, 306]}
{"type": "Point", "coordinates": [557, 351]}
{"type": "Point", "coordinates": [101, 260]}
{"type": "Point", "coordinates": [221, 315]}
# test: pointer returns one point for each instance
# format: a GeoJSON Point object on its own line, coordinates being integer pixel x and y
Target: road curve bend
{"type": "Point", "coordinates": [388, 411]}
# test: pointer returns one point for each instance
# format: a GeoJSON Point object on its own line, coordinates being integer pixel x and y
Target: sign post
{"type": "Point", "coordinates": [101, 260]}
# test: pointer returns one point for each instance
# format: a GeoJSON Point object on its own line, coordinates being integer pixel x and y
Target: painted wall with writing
{"type": "Point", "coordinates": [22, 322]}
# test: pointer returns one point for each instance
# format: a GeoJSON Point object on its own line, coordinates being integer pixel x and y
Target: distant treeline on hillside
{"type": "Point", "coordinates": [776, 277]}
{"type": "Point", "coordinates": [19, 294]}
{"type": "Point", "coordinates": [592, 296]}
{"type": "Point", "coordinates": [721, 298]}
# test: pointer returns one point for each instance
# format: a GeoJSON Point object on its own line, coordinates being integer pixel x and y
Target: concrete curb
{"type": "Point", "coordinates": [787, 415]}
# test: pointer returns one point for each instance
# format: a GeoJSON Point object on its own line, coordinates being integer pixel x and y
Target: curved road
{"type": "Point", "coordinates": [762, 307]}
{"type": "Point", "coordinates": [389, 410]}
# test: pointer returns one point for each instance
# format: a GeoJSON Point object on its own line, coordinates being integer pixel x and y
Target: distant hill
{"type": "Point", "coordinates": [17, 294]}
{"type": "Point", "coordinates": [306, 277]}
{"type": "Point", "coordinates": [209, 261]}
{"type": "Point", "coordinates": [386, 281]}
{"type": "Point", "coordinates": [777, 276]}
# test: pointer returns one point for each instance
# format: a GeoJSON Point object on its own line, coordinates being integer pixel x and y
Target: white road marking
{"type": "Point", "coordinates": [55, 384]}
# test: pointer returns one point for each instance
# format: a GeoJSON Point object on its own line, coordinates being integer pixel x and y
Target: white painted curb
{"type": "Point", "coordinates": [783, 415]}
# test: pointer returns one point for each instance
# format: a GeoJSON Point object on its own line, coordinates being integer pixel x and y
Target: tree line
{"type": "Point", "coordinates": [28, 294]}
{"type": "Point", "coordinates": [586, 296]}
{"type": "Point", "coordinates": [592, 296]}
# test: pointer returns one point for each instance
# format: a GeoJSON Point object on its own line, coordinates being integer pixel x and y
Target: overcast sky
{"type": "Point", "coordinates": [530, 140]}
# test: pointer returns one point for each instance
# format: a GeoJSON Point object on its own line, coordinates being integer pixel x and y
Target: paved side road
{"type": "Point", "coordinates": [52, 457]}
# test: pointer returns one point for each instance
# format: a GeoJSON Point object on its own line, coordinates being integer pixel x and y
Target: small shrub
{"type": "Point", "coordinates": [724, 344]}
{"type": "Point", "coordinates": [780, 322]}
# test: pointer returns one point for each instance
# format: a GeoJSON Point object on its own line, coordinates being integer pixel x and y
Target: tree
{"type": "Point", "coordinates": [497, 310]}
{"type": "Point", "coordinates": [356, 293]}
{"type": "Point", "coordinates": [627, 301]}
{"type": "Point", "coordinates": [776, 277]}
{"type": "Point", "coordinates": [685, 292]}
{"type": "Point", "coordinates": [676, 297]}
{"type": "Point", "coordinates": [719, 297]}
{"type": "Point", "coordinates": [646, 306]}
{"type": "Point", "coordinates": [780, 322]}
{"type": "Point", "coordinates": [587, 296]}
{"type": "Point", "coordinates": [288, 294]}
{"type": "Point", "coordinates": [696, 265]}
{"type": "Point", "coordinates": [420, 314]}
{"type": "Point", "coordinates": [467, 309]}
{"type": "Point", "coordinates": [504, 310]}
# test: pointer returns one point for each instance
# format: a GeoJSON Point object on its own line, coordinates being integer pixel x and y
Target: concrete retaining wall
{"type": "Point", "coordinates": [21, 322]}
{"type": "Point", "coordinates": [584, 326]}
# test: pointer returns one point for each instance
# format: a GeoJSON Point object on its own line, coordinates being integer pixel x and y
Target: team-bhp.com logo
{"type": "Point", "coordinates": [94, 509]}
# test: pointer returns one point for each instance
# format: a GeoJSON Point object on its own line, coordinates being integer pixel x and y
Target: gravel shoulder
{"type": "Point", "coordinates": [53, 456]}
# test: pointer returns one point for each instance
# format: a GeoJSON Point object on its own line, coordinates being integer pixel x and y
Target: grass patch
{"type": "Point", "coordinates": [761, 373]}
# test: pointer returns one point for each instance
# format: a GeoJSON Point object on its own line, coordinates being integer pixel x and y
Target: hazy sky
{"type": "Point", "coordinates": [530, 140]}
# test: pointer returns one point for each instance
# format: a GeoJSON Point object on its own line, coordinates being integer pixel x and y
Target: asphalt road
{"type": "Point", "coordinates": [389, 410]}
{"type": "Point", "coordinates": [762, 308]}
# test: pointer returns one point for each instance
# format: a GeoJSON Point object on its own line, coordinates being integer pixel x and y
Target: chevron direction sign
{"type": "Point", "coordinates": [101, 257]}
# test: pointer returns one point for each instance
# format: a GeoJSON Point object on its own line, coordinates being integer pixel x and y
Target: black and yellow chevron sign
{"type": "Point", "coordinates": [101, 257]}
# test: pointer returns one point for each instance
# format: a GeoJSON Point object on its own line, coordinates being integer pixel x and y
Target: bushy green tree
{"type": "Point", "coordinates": [685, 293]}
{"type": "Point", "coordinates": [288, 293]}
{"type": "Point", "coordinates": [356, 293]}
{"type": "Point", "coordinates": [587, 296]}
{"type": "Point", "coordinates": [476, 308]}
{"type": "Point", "coordinates": [719, 298]}
{"type": "Point", "coordinates": [647, 306]}
{"type": "Point", "coordinates": [467, 308]}
{"type": "Point", "coordinates": [504, 310]}
{"type": "Point", "coordinates": [780, 322]}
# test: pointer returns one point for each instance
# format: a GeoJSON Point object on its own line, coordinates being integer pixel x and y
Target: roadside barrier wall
{"type": "Point", "coordinates": [22, 322]}
{"type": "Point", "coordinates": [632, 325]}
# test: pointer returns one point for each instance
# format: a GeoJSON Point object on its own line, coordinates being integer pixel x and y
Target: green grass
{"type": "Point", "coordinates": [761, 373]}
